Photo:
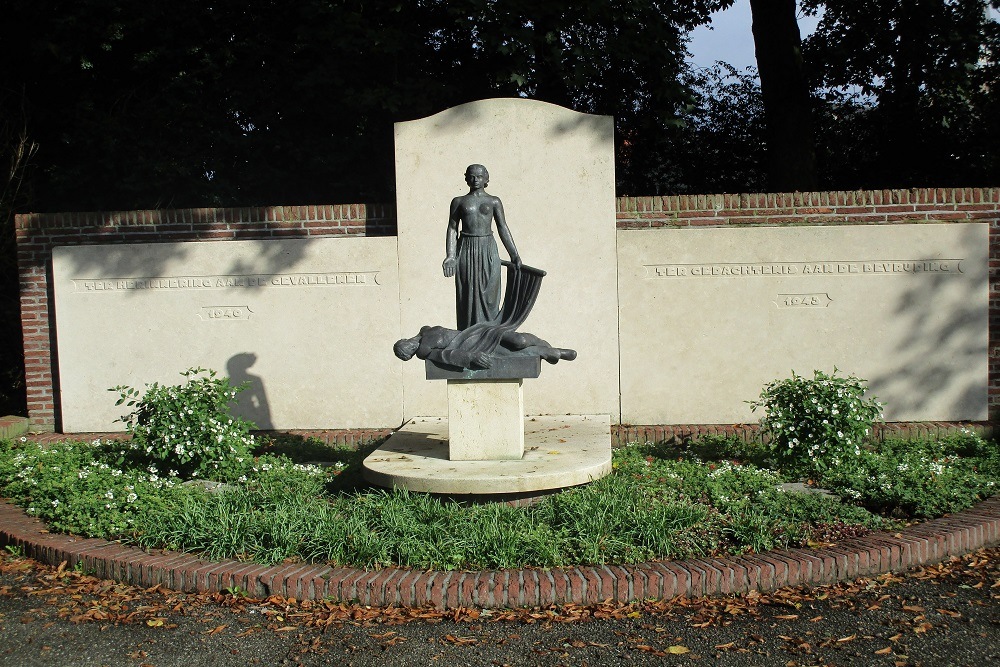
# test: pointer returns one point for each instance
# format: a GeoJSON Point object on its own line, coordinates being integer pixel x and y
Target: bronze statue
{"type": "Point", "coordinates": [471, 252]}
{"type": "Point", "coordinates": [437, 344]}
{"type": "Point", "coordinates": [486, 343]}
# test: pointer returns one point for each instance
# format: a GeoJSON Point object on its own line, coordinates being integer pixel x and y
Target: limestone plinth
{"type": "Point", "coordinates": [559, 451]}
{"type": "Point", "coordinates": [485, 420]}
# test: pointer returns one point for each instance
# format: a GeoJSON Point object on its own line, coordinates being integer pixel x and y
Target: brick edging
{"type": "Point", "coordinates": [878, 553]}
{"type": "Point", "coordinates": [621, 434]}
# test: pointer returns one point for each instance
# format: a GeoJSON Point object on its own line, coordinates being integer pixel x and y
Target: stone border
{"type": "Point", "coordinates": [922, 544]}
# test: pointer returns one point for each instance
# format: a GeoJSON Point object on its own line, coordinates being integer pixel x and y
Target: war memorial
{"type": "Point", "coordinates": [679, 308]}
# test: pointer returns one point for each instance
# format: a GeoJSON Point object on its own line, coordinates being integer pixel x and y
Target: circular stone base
{"type": "Point", "coordinates": [558, 452]}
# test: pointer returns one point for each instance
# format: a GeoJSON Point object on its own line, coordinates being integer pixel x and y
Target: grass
{"type": "Point", "coordinates": [713, 496]}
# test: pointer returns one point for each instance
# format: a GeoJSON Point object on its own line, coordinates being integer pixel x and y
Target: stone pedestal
{"type": "Point", "coordinates": [559, 452]}
{"type": "Point", "coordinates": [485, 420]}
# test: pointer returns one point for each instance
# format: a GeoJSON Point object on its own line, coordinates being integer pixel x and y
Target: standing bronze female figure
{"type": "Point", "coordinates": [471, 253]}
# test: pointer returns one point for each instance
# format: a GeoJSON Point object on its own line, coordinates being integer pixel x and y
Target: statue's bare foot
{"type": "Point", "coordinates": [554, 354]}
{"type": "Point", "coordinates": [567, 354]}
{"type": "Point", "coordinates": [482, 360]}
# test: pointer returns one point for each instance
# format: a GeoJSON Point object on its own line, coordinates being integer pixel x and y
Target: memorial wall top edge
{"type": "Point", "coordinates": [480, 109]}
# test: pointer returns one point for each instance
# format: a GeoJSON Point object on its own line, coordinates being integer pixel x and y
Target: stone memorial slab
{"type": "Point", "coordinates": [708, 316]}
{"type": "Point", "coordinates": [305, 321]}
{"type": "Point", "coordinates": [554, 171]}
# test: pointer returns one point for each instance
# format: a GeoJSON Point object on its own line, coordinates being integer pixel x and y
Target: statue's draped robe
{"type": "Point", "coordinates": [484, 337]}
{"type": "Point", "coordinates": [477, 280]}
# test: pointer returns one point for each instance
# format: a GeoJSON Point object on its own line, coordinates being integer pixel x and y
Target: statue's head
{"type": "Point", "coordinates": [406, 348]}
{"type": "Point", "coordinates": [474, 169]}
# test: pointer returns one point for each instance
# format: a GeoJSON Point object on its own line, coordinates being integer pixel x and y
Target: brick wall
{"type": "Point", "coordinates": [38, 233]}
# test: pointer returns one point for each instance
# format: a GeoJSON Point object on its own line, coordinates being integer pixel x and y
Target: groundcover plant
{"type": "Point", "coordinates": [192, 478]}
{"type": "Point", "coordinates": [712, 496]}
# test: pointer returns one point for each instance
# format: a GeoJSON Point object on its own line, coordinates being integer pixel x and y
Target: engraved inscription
{"type": "Point", "coordinates": [833, 268]}
{"type": "Point", "coordinates": [257, 280]}
{"type": "Point", "coordinates": [224, 313]}
{"type": "Point", "coordinates": [818, 300]}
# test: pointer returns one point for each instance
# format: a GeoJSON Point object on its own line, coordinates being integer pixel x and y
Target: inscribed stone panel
{"type": "Point", "coordinates": [710, 315]}
{"type": "Point", "coordinates": [306, 322]}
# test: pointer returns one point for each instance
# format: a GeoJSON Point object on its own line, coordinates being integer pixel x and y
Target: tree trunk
{"type": "Point", "coordinates": [791, 155]}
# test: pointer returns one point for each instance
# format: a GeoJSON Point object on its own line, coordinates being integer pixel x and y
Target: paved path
{"type": "Point", "coordinates": [942, 615]}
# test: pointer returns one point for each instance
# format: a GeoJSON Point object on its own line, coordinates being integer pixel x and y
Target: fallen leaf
{"type": "Point", "coordinates": [884, 651]}
{"type": "Point", "coordinates": [677, 649]}
{"type": "Point", "coordinates": [155, 622]}
{"type": "Point", "coordinates": [787, 617]}
{"type": "Point", "coordinates": [216, 630]}
{"type": "Point", "coordinates": [849, 638]}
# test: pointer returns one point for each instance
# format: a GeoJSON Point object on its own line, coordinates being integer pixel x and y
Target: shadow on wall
{"type": "Point", "coordinates": [125, 261]}
{"type": "Point", "coordinates": [943, 348]}
{"type": "Point", "coordinates": [122, 261]}
{"type": "Point", "coordinates": [251, 404]}
{"type": "Point", "coordinates": [472, 113]}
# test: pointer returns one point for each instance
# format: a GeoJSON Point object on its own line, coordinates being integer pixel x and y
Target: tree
{"type": "Point", "coordinates": [717, 144]}
{"type": "Point", "coordinates": [18, 151]}
{"type": "Point", "coordinates": [918, 82]}
{"type": "Point", "coordinates": [185, 103]}
{"type": "Point", "coordinates": [791, 154]}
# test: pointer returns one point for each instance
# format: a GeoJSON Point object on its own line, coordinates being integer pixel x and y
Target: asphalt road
{"type": "Point", "coordinates": [940, 616]}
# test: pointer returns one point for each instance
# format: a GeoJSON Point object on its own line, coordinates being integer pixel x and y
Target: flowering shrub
{"type": "Point", "coordinates": [188, 427]}
{"type": "Point", "coordinates": [816, 423]}
{"type": "Point", "coordinates": [76, 488]}
{"type": "Point", "coordinates": [922, 479]}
